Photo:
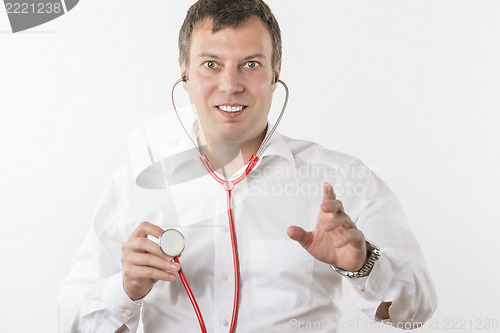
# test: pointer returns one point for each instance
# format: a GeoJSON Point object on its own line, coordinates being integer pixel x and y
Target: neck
{"type": "Point", "coordinates": [228, 158]}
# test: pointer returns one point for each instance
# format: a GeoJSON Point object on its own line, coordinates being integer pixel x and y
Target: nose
{"type": "Point", "coordinates": [231, 81]}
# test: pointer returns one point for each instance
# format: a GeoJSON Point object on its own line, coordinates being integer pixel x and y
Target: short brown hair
{"type": "Point", "coordinates": [228, 13]}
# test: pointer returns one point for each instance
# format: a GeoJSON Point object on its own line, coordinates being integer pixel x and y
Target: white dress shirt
{"type": "Point", "coordinates": [283, 288]}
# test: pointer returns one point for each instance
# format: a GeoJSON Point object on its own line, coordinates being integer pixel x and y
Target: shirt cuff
{"type": "Point", "coordinates": [369, 291]}
{"type": "Point", "coordinates": [120, 306]}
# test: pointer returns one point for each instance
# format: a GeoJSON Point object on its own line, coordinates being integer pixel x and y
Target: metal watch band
{"type": "Point", "coordinates": [373, 255]}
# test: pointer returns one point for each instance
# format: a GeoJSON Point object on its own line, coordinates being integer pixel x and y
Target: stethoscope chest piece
{"type": "Point", "coordinates": [172, 242]}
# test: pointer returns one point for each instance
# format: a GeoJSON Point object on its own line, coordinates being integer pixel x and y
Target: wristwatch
{"type": "Point", "coordinates": [372, 253]}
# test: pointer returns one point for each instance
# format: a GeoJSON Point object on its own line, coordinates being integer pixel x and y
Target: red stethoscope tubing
{"type": "Point", "coordinates": [228, 186]}
{"type": "Point", "coordinates": [191, 298]}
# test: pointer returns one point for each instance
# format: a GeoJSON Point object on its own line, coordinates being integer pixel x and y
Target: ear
{"type": "Point", "coordinates": [276, 75]}
{"type": "Point", "coordinates": [183, 69]}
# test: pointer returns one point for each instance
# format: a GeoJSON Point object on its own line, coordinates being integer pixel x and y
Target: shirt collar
{"type": "Point", "coordinates": [276, 146]}
{"type": "Point", "coordinates": [173, 153]}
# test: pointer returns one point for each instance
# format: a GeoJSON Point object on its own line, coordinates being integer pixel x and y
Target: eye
{"type": "Point", "coordinates": [251, 64]}
{"type": "Point", "coordinates": [210, 64]}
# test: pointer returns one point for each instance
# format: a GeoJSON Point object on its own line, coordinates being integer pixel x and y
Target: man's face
{"type": "Point", "coordinates": [230, 80]}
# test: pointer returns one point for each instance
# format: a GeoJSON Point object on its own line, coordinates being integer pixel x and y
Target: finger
{"type": "Point", "coordinates": [145, 245]}
{"type": "Point", "coordinates": [328, 192]}
{"type": "Point", "coordinates": [146, 229]}
{"type": "Point", "coordinates": [146, 259]}
{"type": "Point", "coordinates": [339, 223]}
{"type": "Point", "coordinates": [137, 273]}
{"type": "Point", "coordinates": [332, 206]}
{"type": "Point", "coordinates": [332, 215]}
{"type": "Point", "coordinates": [352, 236]}
{"type": "Point", "coordinates": [298, 234]}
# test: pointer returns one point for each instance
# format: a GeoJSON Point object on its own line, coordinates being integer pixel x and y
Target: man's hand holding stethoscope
{"type": "Point", "coordinates": [144, 263]}
{"type": "Point", "coordinates": [335, 240]}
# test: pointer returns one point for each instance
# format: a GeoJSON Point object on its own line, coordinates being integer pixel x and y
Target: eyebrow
{"type": "Point", "coordinates": [207, 55]}
{"type": "Point", "coordinates": [256, 56]}
{"type": "Point", "coordinates": [213, 56]}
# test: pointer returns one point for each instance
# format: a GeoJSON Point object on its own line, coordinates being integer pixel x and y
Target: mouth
{"type": "Point", "coordinates": [231, 109]}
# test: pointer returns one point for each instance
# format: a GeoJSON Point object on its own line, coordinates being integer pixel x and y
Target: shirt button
{"type": "Point", "coordinates": [223, 277]}
{"type": "Point", "coordinates": [225, 230]}
{"type": "Point", "coordinates": [225, 323]}
{"type": "Point", "coordinates": [128, 313]}
{"type": "Point", "coordinates": [361, 288]}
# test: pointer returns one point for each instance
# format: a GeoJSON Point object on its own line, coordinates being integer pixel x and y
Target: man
{"type": "Point", "coordinates": [230, 56]}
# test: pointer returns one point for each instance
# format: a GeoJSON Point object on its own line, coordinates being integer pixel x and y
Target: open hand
{"type": "Point", "coordinates": [335, 240]}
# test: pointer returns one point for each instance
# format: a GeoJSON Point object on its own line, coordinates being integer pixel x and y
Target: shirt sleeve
{"type": "Point", "coordinates": [92, 298]}
{"type": "Point", "coordinates": [400, 275]}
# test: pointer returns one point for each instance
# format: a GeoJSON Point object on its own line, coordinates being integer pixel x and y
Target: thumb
{"type": "Point", "coordinates": [298, 234]}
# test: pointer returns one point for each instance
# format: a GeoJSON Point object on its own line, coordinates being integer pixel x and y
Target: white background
{"type": "Point", "coordinates": [410, 87]}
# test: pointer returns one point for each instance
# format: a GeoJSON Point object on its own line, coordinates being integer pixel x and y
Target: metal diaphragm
{"type": "Point", "coordinates": [172, 242]}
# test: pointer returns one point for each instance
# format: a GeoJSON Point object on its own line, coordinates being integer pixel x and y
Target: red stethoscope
{"type": "Point", "coordinates": [172, 241]}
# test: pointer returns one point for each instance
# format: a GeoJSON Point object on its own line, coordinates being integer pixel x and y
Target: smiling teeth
{"type": "Point", "coordinates": [230, 108]}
